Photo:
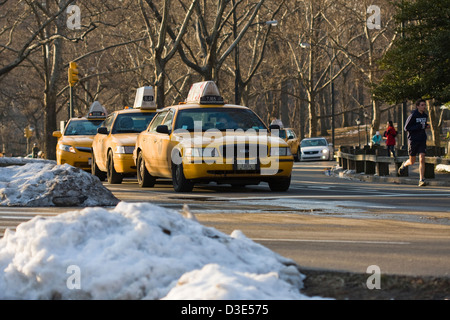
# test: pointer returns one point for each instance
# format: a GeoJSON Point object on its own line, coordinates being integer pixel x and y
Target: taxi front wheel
{"type": "Point", "coordinates": [145, 179]}
{"type": "Point", "coordinates": [180, 183]}
{"type": "Point", "coordinates": [112, 176]}
{"type": "Point", "coordinates": [281, 184]}
{"type": "Point", "coordinates": [96, 171]}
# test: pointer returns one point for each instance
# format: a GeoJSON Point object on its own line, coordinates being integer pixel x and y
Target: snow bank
{"type": "Point", "coordinates": [443, 168]}
{"type": "Point", "coordinates": [44, 183]}
{"type": "Point", "coordinates": [138, 251]}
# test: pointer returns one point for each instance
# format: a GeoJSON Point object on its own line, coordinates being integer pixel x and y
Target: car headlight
{"type": "Point", "coordinates": [67, 148]}
{"type": "Point", "coordinates": [201, 152]}
{"type": "Point", "coordinates": [124, 149]}
{"type": "Point", "coordinates": [324, 150]}
{"type": "Point", "coordinates": [279, 152]}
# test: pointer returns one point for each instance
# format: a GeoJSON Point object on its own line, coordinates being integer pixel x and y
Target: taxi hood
{"type": "Point", "coordinates": [125, 139]}
{"type": "Point", "coordinates": [80, 141]}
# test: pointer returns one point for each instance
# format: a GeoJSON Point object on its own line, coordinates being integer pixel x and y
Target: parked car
{"type": "Point", "coordinates": [288, 135]}
{"type": "Point", "coordinates": [113, 145]}
{"type": "Point", "coordinates": [205, 140]}
{"type": "Point", "coordinates": [75, 142]}
{"type": "Point", "coordinates": [316, 149]}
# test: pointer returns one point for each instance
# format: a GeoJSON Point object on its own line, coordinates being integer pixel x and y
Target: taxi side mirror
{"type": "Point", "coordinates": [162, 129]}
{"type": "Point", "coordinates": [102, 130]}
{"type": "Point", "coordinates": [290, 137]}
{"type": "Point", "coordinates": [57, 134]}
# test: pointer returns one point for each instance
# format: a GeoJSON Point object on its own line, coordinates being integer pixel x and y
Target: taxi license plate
{"type": "Point", "coordinates": [246, 166]}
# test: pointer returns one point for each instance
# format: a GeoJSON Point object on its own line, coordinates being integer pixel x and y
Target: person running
{"type": "Point", "coordinates": [389, 136]}
{"type": "Point", "coordinates": [415, 125]}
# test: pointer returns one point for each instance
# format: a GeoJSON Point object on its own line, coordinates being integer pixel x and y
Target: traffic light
{"type": "Point", "coordinates": [73, 74]}
{"type": "Point", "coordinates": [27, 133]}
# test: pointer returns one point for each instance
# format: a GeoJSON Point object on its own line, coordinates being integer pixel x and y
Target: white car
{"type": "Point", "coordinates": [316, 149]}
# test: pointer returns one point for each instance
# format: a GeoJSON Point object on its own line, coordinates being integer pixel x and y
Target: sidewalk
{"type": "Point", "coordinates": [441, 179]}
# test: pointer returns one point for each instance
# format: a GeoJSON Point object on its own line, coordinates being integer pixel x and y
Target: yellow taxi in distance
{"type": "Point", "coordinates": [74, 144]}
{"type": "Point", "coordinates": [113, 145]}
{"type": "Point", "coordinates": [288, 135]}
{"type": "Point", "coordinates": [205, 140]}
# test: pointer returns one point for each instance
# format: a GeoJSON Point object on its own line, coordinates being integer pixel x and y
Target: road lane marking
{"type": "Point", "coordinates": [334, 241]}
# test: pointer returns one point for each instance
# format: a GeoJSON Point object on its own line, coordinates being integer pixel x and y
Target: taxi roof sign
{"type": "Point", "coordinates": [205, 92]}
{"type": "Point", "coordinates": [145, 99]}
{"type": "Point", "coordinates": [97, 111]}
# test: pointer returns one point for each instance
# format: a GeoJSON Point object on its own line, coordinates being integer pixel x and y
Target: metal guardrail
{"type": "Point", "coordinates": [376, 160]}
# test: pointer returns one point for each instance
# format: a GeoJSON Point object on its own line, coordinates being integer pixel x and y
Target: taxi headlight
{"type": "Point", "coordinates": [124, 149]}
{"type": "Point", "coordinates": [201, 152]}
{"type": "Point", "coordinates": [67, 148]}
{"type": "Point", "coordinates": [279, 152]}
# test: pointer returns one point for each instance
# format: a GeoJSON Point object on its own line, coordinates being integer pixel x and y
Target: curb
{"type": "Point", "coordinates": [388, 179]}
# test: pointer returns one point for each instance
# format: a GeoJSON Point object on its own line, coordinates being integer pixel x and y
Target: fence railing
{"type": "Point", "coordinates": [376, 160]}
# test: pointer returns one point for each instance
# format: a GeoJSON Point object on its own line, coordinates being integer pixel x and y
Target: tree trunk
{"type": "Point", "coordinates": [312, 115]}
{"type": "Point", "coordinates": [434, 123]}
{"type": "Point", "coordinates": [52, 79]}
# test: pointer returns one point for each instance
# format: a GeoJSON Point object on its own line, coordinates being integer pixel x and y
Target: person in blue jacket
{"type": "Point", "coordinates": [415, 125]}
{"type": "Point", "coordinates": [376, 139]}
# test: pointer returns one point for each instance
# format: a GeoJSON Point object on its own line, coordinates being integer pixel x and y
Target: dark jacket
{"type": "Point", "coordinates": [416, 125]}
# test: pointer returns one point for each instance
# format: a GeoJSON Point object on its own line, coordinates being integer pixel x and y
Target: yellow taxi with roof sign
{"type": "Point", "coordinates": [75, 142]}
{"type": "Point", "coordinates": [205, 140]}
{"type": "Point", "coordinates": [113, 146]}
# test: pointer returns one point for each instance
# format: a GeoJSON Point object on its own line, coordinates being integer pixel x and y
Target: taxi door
{"type": "Point", "coordinates": [165, 146]}
{"type": "Point", "coordinates": [150, 146]}
{"type": "Point", "coordinates": [101, 143]}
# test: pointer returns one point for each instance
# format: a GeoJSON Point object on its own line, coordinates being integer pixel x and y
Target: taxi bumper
{"type": "Point", "coordinates": [240, 170]}
{"type": "Point", "coordinates": [80, 159]}
{"type": "Point", "coordinates": [124, 163]}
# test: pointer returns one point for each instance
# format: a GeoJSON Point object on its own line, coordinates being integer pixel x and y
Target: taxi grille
{"type": "Point", "coordinates": [84, 149]}
{"type": "Point", "coordinates": [241, 151]}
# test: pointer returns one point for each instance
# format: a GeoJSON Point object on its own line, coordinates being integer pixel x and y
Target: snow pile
{"type": "Point", "coordinates": [442, 168]}
{"type": "Point", "coordinates": [138, 251]}
{"type": "Point", "coordinates": [44, 183]}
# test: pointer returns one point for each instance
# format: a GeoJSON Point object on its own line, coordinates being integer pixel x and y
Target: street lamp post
{"type": "Point", "coordinates": [366, 117]}
{"type": "Point", "coordinates": [358, 122]}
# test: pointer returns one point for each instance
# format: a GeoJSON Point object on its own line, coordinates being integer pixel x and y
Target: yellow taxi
{"type": "Point", "coordinates": [113, 145]}
{"type": "Point", "coordinates": [288, 135]}
{"type": "Point", "coordinates": [75, 142]}
{"type": "Point", "coordinates": [205, 140]}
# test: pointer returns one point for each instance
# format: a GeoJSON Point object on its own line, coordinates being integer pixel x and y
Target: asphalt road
{"type": "Point", "coordinates": [322, 222]}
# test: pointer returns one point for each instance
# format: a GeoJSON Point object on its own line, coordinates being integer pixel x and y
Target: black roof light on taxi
{"type": "Point", "coordinates": [97, 111]}
{"type": "Point", "coordinates": [205, 92]}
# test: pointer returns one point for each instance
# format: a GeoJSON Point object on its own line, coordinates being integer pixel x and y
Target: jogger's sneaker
{"type": "Point", "coordinates": [423, 183]}
{"type": "Point", "coordinates": [401, 170]}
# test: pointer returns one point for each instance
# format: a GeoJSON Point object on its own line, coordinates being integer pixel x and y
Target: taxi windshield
{"type": "Point", "coordinates": [132, 122]}
{"type": "Point", "coordinates": [82, 127]}
{"type": "Point", "coordinates": [218, 118]}
{"type": "Point", "coordinates": [314, 143]}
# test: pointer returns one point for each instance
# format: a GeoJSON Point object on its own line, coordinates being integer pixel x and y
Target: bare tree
{"type": "Point", "coordinates": [162, 50]}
